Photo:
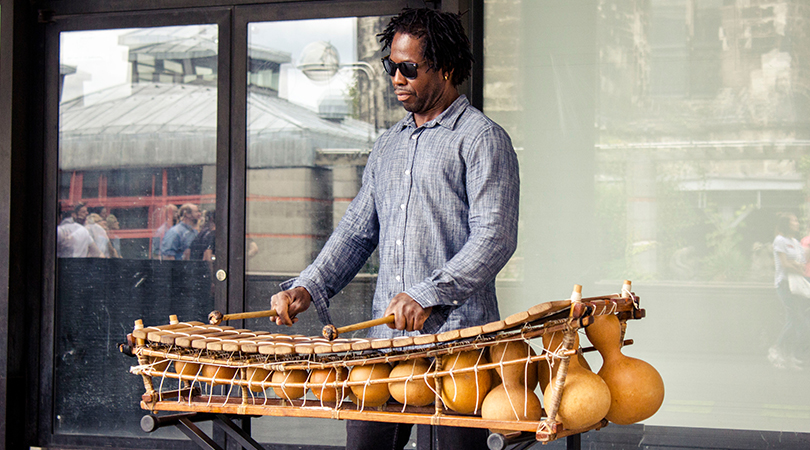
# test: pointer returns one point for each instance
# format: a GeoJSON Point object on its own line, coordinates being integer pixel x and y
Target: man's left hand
{"type": "Point", "coordinates": [408, 314]}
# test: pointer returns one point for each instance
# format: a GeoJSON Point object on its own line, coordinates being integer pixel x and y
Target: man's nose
{"type": "Point", "coordinates": [398, 79]}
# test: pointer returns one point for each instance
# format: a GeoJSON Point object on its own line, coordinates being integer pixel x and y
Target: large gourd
{"type": "Point", "coordinates": [370, 395]}
{"type": "Point", "coordinates": [415, 391]}
{"type": "Point", "coordinates": [465, 392]}
{"type": "Point", "coordinates": [585, 397]}
{"type": "Point", "coordinates": [636, 388]}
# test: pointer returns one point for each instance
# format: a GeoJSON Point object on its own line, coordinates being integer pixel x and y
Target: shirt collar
{"type": "Point", "coordinates": [447, 118]}
{"type": "Point", "coordinates": [185, 225]}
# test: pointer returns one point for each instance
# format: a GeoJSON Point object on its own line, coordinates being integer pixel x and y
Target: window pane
{"type": "Point", "coordinates": [137, 157]}
{"type": "Point", "coordinates": [659, 142]}
{"type": "Point", "coordinates": [317, 100]}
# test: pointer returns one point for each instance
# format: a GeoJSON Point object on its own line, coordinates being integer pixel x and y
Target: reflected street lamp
{"type": "Point", "coordinates": [320, 61]}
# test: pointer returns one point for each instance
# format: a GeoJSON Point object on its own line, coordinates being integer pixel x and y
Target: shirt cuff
{"type": "Point", "coordinates": [319, 298]}
{"type": "Point", "coordinates": [427, 295]}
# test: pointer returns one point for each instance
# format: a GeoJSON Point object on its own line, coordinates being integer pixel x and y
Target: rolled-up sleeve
{"type": "Point", "coordinates": [346, 251]}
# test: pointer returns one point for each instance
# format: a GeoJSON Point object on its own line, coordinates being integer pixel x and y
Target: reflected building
{"type": "Point", "coordinates": [692, 117]}
{"type": "Point", "coordinates": [138, 147]}
{"type": "Point", "coordinates": [702, 132]}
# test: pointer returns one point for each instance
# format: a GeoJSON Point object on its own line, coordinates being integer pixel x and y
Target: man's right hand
{"type": "Point", "coordinates": [289, 304]}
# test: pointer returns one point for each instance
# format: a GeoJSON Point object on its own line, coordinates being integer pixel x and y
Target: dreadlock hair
{"type": "Point", "coordinates": [445, 45]}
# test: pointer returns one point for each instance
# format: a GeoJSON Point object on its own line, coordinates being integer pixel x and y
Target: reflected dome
{"type": "Point", "coordinates": [319, 61]}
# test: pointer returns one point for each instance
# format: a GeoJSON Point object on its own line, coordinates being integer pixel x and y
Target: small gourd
{"type": "Point", "coordinates": [289, 376]}
{"type": "Point", "coordinates": [320, 382]}
{"type": "Point", "coordinates": [414, 392]}
{"type": "Point", "coordinates": [256, 376]}
{"type": "Point", "coordinates": [218, 374]}
{"type": "Point", "coordinates": [465, 392]}
{"type": "Point", "coordinates": [188, 369]}
{"type": "Point", "coordinates": [370, 395]}
{"type": "Point", "coordinates": [523, 373]}
{"type": "Point", "coordinates": [509, 401]}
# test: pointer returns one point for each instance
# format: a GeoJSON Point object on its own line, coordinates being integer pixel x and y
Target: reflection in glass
{"type": "Point", "coordinates": [137, 158]}
{"type": "Point", "coordinates": [688, 125]}
{"type": "Point", "coordinates": [317, 100]}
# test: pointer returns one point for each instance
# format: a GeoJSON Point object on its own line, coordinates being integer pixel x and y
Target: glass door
{"type": "Point", "coordinates": [139, 186]}
{"type": "Point", "coordinates": [185, 178]}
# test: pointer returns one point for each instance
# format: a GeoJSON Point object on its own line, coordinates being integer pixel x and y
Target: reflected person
{"type": "Point", "coordinates": [73, 240]}
{"type": "Point", "coordinates": [176, 242]}
{"type": "Point", "coordinates": [789, 258]}
{"type": "Point", "coordinates": [169, 216]}
{"type": "Point", "coordinates": [112, 227]}
{"type": "Point", "coordinates": [98, 230]}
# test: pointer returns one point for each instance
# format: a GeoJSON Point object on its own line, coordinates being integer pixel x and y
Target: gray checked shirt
{"type": "Point", "coordinates": [441, 201]}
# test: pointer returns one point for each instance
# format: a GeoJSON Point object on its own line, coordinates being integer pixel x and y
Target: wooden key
{"type": "Point", "coordinates": [252, 345]}
{"type": "Point", "coordinates": [143, 332]}
{"type": "Point", "coordinates": [178, 337]}
{"type": "Point", "coordinates": [234, 344]}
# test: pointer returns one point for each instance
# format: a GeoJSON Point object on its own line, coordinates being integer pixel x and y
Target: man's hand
{"type": "Point", "coordinates": [408, 314]}
{"type": "Point", "coordinates": [289, 304]}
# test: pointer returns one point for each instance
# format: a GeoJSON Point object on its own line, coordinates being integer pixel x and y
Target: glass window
{"type": "Point", "coordinates": [137, 153]}
{"type": "Point", "coordinates": [317, 100]}
{"type": "Point", "coordinates": [665, 142]}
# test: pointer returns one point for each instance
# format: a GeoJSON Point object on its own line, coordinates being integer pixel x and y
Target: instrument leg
{"type": "Point", "coordinates": [237, 433]}
{"type": "Point", "coordinates": [573, 442]}
{"type": "Point", "coordinates": [185, 423]}
{"type": "Point", "coordinates": [196, 435]}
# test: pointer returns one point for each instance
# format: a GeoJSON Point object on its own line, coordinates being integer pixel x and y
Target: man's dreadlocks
{"type": "Point", "coordinates": [445, 45]}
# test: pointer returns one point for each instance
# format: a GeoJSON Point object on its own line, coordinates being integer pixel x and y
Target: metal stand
{"type": "Point", "coordinates": [185, 423]}
{"type": "Point", "coordinates": [521, 441]}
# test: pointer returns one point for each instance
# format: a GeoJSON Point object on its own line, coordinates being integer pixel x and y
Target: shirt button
{"type": "Point", "coordinates": [455, 302]}
{"type": "Point", "coordinates": [399, 278]}
{"type": "Point", "coordinates": [399, 242]}
{"type": "Point", "coordinates": [402, 206]}
{"type": "Point", "coordinates": [407, 172]}
{"type": "Point", "coordinates": [414, 136]}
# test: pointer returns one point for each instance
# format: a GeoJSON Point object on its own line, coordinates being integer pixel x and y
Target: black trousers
{"type": "Point", "coordinates": [363, 435]}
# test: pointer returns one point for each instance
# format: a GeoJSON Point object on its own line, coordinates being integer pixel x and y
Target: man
{"type": "Point", "coordinates": [168, 214]}
{"type": "Point", "coordinates": [177, 240]}
{"type": "Point", "coordinates": [98, 230]}
{"type": "Point", "coordinates": [204, 245]}
{"type": "Point", "coordinates": [72, 239]}
{"type": "Point", "coordinates": [440, 198]}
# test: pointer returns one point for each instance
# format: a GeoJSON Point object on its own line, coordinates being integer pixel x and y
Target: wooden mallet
{"type": "Point", "coordinates": [331, 333]}
{"type": "Point", "coordinates": [216, 317]}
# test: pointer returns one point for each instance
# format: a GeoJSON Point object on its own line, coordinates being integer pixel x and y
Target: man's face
{"type": "Point", "coordinates": [195, 215]}
{"type": "Point", "coordinates": [424, 92]}
{"type": "Point", "coordinates": [81, 215]}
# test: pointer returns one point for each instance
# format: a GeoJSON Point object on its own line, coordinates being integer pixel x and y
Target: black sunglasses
{"type": "Point", "coordinates": [407, 69]}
